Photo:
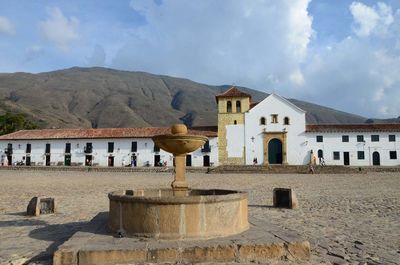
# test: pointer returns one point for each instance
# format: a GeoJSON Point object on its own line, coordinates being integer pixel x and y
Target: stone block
{"type": "Point", "coordinates": [38, 206]}
{"type": "Point", "coordinates": [299, 250]}
{"type": "Point", "coordinates": [285, 198]}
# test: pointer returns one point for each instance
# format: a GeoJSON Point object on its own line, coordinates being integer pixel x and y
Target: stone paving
{"type": "Point", "coordinates": [348, 218]}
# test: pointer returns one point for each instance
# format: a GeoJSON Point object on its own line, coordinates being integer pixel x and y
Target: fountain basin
{"type": "Point", "coordinates": [179, 144]}
{"type": "Point", "coordinates": [202, 214]}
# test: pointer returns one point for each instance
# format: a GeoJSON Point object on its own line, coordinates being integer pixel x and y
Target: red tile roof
{"type": "Point", "coordinates": [367, 127]}
{"type": "Point", "coordinates": [101, 133]}
{"type": "Point", "coordinates": [233, 92]}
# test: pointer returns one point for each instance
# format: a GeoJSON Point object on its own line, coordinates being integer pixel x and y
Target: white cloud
{"type": "Point", "coordinates": [216, 42]}
{"type": "Point", "coordinates": [6, 26]}
{"type": "Point", "coordinates": [356, 75]}
{"type": "Point", "coordinates": [368, 20]}
{"type": "Point", "coordinates": [60, 30]}
{"type": "Point", "coordinates": [297, 78]}
{"type": "Point", "coordinates": [98, 57]}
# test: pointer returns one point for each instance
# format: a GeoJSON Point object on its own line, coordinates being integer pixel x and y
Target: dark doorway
{"type": "Point", "coordinates": [110, 161]}
{"type": "Point", "coordinates": [376, 159]}
{"type": "Point", "coordinates": [157, 159]}
{"type": "Point", "coordinates": [133, 161]}
{"type": "Point", "coordinates": [346, 158]}
{"type": "Point", "coordinates": [88, 160]}
{"type": "Point", "coordinates": [67, 160]}
{"type": "Point", "coordinates": [47, 160]}
{"type": "Point", "coordinates": [28, 161]}
{"type": "Point", "coordinates": [275, 151]}
{"type": "Point", "coordinates": [206, 161]}
{"type": "Point", "coordinates": [320, 153]}
{"type": "Point", "coordinates": [188, 160]}
{"type": "Point", "coordinates": [9, 159]}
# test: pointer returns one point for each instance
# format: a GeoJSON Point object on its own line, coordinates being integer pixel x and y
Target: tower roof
{"type": "Point", "coordinates": [233, 92]}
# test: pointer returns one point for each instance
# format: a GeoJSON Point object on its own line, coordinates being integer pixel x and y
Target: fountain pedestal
{"type": "Point", "coordinates": [180, 186]}
{"type": "Point", "coordinates": [178, 213]}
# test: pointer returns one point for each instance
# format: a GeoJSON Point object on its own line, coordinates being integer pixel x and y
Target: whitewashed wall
{"type": "Point", "coordinates": [235, 140]}
{"type": "Point", "coordinates": [122, 151]}
{"type": "Point", "coordinates": [274, 104]}
{"type": "Point", "coordinates": [332, 142]}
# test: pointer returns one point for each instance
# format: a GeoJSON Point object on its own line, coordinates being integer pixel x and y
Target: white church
{"type": "Point", "coordinates": [273, 131]}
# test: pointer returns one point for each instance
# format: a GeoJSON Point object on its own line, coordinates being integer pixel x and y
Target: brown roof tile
{"type": "Point", "coordinates": [100, 133]}
{"type": "Point", "coordinates": [369, 127]}
{"type": "Point", "coordinates": [233, 92]}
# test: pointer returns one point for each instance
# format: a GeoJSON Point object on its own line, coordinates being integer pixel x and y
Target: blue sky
{"type": "Point", "coordinates": [342, 54]}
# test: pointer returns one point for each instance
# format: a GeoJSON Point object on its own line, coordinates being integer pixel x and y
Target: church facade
{"type": "Point", "coordinates": [274, 131]}
{"type": "Point", "coordinates": [271, 132]}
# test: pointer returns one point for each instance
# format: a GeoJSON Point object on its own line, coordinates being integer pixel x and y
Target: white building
{"type": "Point", "coordinates": [273, 131]}
{"type": "Point", "coordinates": [98, 147]}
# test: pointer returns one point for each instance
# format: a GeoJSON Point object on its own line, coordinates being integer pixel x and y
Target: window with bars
{"type": "Point", "coordinates": [47, 150]}
{"type": "Point", "coordinates": [134, 147]}
{"type": "Point", "coordinates": [336, 155]}
{"type": "Point", "coordinates": [111, 147]}
{"type": "Point", "coordinates": [374, 138]}
{"type": "Point", "coordinates": [67, 148]}
{"type": "Point", "coordinates": [28, 148]}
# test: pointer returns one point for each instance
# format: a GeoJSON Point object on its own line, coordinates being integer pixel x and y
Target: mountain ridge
{"type": "Point", "coordinates": [99, 97]}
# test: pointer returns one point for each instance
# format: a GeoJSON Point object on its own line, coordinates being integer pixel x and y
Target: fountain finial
{"type": "Point", "coordinates": [179, 129]}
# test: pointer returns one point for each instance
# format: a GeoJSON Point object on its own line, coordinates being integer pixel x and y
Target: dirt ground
{"type": "Point", "coordinates": [348, 219]}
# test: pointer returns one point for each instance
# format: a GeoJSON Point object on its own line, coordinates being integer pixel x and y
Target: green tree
{"type": "Point", "coordinates": [11, 122]}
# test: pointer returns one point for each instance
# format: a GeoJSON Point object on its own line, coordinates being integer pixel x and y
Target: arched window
{"type": "Point", "coordinates": [229, 106]}
{"type": "Point", "coordinates": [235, 122]}
{"type": "Point", "coordinates": [286, 121]}
{"type": "Point", "coordinates": [238, 106]}
{"type": "Point", "coordinates": [262, 121]}
{"type": "Point", "coordinates": [320, 153]}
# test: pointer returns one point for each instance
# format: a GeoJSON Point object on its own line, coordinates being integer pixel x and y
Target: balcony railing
{"type": "Point", "coordinates": [206, 149]}
{"type": "Point", "coordinates": [88, 150]}
{"type": "Point", "coordinates": [8, 151]}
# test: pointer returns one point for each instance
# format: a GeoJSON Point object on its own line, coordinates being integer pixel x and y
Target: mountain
{"type": "Point", "coordinates": [100, 97]}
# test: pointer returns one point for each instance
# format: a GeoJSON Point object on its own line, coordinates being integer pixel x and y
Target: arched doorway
{"type": "Point", "coordinates": [376, 159]}
{"type": "Point", "coordinates": [275, 151]}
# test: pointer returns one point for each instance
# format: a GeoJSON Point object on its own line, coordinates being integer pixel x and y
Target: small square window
{"type": "Point", "coordinates": [320, 138]}
{"type": "Point", "coordinates": [360, 155]}
{"type": "Point", "coordinates": [374, 138]}
{"type": "Point", "coordinates": [345, 138]}
{"type": "Point", "coordinates": [360, 138]}
{"type": "Point", "coordinates": [393, 154]}
{"type": "Point", "coordinates": [274, 118]}
{"type": "Point", "coordinates": [336, 155]}
{"type": "Point", "coordinates": [392, 138]}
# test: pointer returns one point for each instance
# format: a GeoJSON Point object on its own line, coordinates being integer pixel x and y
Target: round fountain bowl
{"type": "Point", "coordinates": [179, 144]}
{"type": "Point", "coordinates": [203, 214]}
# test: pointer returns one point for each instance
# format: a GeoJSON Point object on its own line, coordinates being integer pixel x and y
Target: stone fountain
{"type": "Point", "coordinates": [187, 215]}
{"type": "Point", "coordinates": [180, 212]}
